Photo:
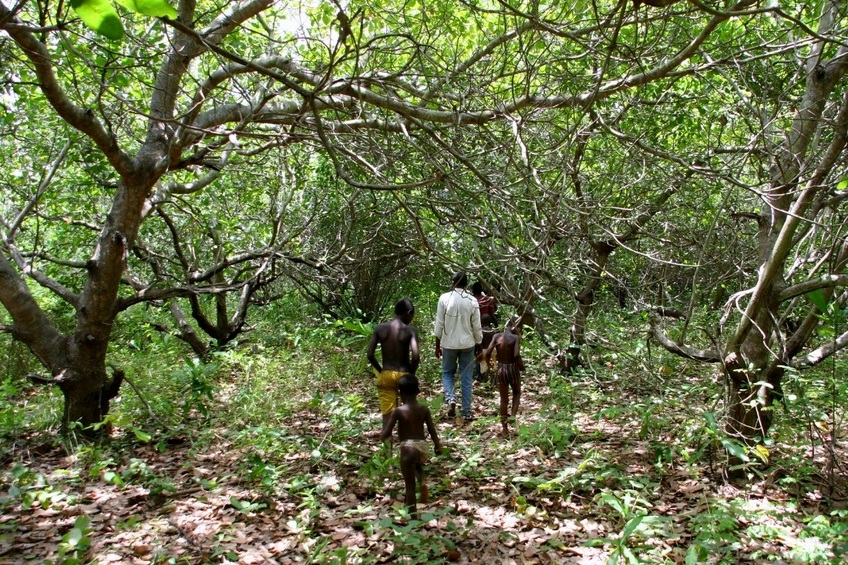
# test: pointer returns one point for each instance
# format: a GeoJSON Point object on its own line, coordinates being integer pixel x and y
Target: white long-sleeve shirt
{"type": "Point", "coordinates": [457, 323]}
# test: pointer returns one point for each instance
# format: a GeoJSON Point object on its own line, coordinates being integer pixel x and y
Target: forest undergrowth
{"type": "Point", "coordinates": [232, 461]}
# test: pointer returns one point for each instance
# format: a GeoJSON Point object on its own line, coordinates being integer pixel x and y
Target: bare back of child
{"type": "Point", "coordinates": [507, 344]}
{"type": "Point", "coordinates": [411, 418]}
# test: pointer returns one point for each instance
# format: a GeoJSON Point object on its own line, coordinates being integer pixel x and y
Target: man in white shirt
{"type": "Point", "coordinates": [458, 330]}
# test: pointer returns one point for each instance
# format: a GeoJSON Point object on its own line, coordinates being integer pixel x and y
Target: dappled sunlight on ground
{"type": "Point", "coordinates": [560, 489]}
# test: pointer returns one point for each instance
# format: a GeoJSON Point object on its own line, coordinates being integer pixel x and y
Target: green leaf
{"type": "Point", "coordinates": [100, 16]}
{"type": "Point", "coordinates": [142, 435]}
{"type": "Point", "coordinates": [695, 554]}
{"type": "Point", "coordinates": [712, 425]}
{"type": "Point", "coordinates": [735, 449]}
{"type": "Point", "coordinates": [631, 526]}
{"type": "Point", "coordinates": [626, 552]}
{"type": "Point", "coordinates": [154, 8]}
{"type": "Point", "coordinates": [817, 298]}
{"type": "Point", "coordinates": [74, 537]}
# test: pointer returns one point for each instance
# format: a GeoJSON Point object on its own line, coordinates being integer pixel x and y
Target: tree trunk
{"type": "Point", "coordinates": [87, 392]}
{"type": "Point", "coordinates": [585, 304]}
{"type": "Point", "coordinates": [750, 399]}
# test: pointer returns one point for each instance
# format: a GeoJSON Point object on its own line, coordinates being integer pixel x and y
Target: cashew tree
{"type": "Point", "coordinates": [444, 107]}
{"type": "Point", "coordinates": [783, 144]}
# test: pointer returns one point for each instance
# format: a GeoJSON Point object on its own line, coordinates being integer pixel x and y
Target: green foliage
{"type": "Point", "coordinates": [11, 419]}
{"type": "Point", "coordinates": [359, 331]}
{"type": "Point", "coordinates": [152, 8]}
{"type": "Point", "coordinates": [717, 529]}
{"type": "Point", "coordinates": [246, 506]}
{"type": "Point", "coordinates": [101, 16]}
{"type": "Point", "coordinates": [196, 382]}
{"type": "Point", "coordinates": [634, 521]}
{"type": "Point", "coordinates": [412, 540]}
{"type": "Point", "coordinates": [75, 544]}
{"type": "Point", "coordinates": [344, 409]}
{"type": "Point", "coordinates": [381, 465]}
{"type": "Point", "coordinates": [552, 437]}
{"type": "Point", "coordinates": [822, 537]}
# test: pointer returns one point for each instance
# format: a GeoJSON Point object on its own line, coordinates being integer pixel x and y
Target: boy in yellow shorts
{"type": "Point", "coordinates": [398, 342]}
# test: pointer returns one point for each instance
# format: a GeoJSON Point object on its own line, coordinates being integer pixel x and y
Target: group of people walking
{"type": "Point", "coordinates": [465, 339]}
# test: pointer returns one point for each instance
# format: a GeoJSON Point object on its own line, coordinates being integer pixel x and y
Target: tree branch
{"type": "Point", "coordinates": [705, 355]}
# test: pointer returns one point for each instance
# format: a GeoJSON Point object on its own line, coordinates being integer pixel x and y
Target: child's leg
{"type": "Point", "coordinates": [420, 476]}
{"type": "Point", "coordinates": [503, 390]}
{"type": "Point", "coordinates": [516, 394]}
{"type": "Point", "coordinates": [409, 460]}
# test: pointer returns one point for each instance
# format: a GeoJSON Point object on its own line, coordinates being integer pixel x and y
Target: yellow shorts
{"type": "Point", "coordinates": [387, 389]}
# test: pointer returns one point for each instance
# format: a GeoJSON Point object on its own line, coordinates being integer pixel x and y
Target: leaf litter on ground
{"type": "Point", "coordinates": [335, 495]}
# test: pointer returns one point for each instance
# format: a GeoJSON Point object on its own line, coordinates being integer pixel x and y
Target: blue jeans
{"type": "Point", "coordinates": [464, 358]}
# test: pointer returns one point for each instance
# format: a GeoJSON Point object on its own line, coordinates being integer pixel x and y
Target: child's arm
{"type": "Point", "coordinates": [390, 424]}
{"type": "Point", "coordinates": [414, 354]}
{"type": "Point", "coordinates": [372, 349]}
{"type": "Point", "coordinates": [518, 354]}
{"type": "Point", "coordinates": [488, 353]}
{"type": "Point", "coordinates": [431, 429]}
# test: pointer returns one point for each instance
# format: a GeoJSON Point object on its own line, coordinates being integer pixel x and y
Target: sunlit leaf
{"type": "Point", "coordinates": [154, 8]}
{"type": "Point", "coordinates": [817, 298]}
{"type": "Point", "coordinates": [100, 16]}
{"type": "Point", "coordinates": [142, 435]}
{"type": "Point", "coordinates": [695, 554]}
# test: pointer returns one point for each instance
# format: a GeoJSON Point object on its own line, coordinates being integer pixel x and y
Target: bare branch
{"type": "Point", "coordinates": [704, 355]}
{"type": "Point", "coordinates": [818, 355]}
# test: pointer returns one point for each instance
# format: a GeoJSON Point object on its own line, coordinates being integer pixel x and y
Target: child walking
{"type": "Point", "coordinates": [399, 344]}
{"type": "Point", "coordinates": [508, 375]}
{"type": "Point", "coordinates": [411, 417]}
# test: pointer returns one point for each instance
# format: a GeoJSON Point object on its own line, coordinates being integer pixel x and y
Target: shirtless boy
{"type": "Point", "coordinates": [399, 345]}
{"type": "Point", "coordinates": [411, 417]}
{"type": "Point", "coordinates": [508, 375]}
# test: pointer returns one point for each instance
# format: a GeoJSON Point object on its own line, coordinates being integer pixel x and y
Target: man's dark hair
{"type": "Point", "coordinates": [403, 306]}
{"type": "Point", "coordinates": [460, 279]}
{"type": "Point", "coordinates": [408, 384]}
{"type": "Point", "coordinates": [477, 288]}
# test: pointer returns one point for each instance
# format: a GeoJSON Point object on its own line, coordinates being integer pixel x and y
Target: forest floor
{"type": "Point", "coordinates": [576, 489]}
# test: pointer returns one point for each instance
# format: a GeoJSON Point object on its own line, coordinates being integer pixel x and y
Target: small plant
{"type": "Point", "coordinates": [261, 471]}
{"type": "Point", "coordinates": [196, 381]}
{"type": "Point", "coordinates": [551, 436]}
{"type": "Point", "coordinates": [413, 543]}
{"type": "Point", "coordinates": [471, 466]}
{"type": "Point", "coordinates": [138, 471]}
{"type": "Point", "coordinates": [75, 544]}
{"type": "Point", "coordinates": [633, 518]}
{"type": "Point", "coordinates": [716, 532]}
{"type": "Point", "coordinates": [379, 466]}
{"type": "Point", "coordinates": [710, 441]}
{"type": "Point", "coordinates": [31, 490]}
{"type": "Point", "coordinates": [246, 506]}
{"type": "Point", "coordinates": [10, 419]}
